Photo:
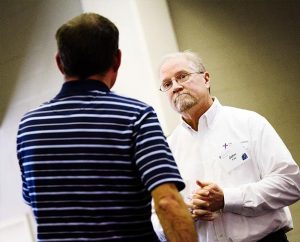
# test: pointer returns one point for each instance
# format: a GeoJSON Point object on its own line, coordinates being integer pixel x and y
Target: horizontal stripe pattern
{"type": "Point", "coordinates": [89, 159]}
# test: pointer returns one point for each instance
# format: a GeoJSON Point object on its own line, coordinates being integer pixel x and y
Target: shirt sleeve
{"type": "Point", "coordinates": [153, 157]}
{"type": "Point", "coordinates": [280, 178]}
{"type": "Point", "coordinates": [25, 191]}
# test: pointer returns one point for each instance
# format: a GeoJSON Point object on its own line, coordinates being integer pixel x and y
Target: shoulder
{"type": "Point", "coordinates": [242, 114]}
{"type": "Point", "coordinates": [130, 102]}
{"type": "Point", "coordinates": [244, 120]}
{"type": "Point", "coordinates": [36, 111]}
{"type": "Point", "coordinates": [238, 111]}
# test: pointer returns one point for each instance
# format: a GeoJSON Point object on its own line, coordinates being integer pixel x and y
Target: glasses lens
{"type": "Point", "coordinates": [180, 78]}
{"type": "Point", "coordinates": [183, 77]}
{"type": "Point", "coordinates": [166, 85]}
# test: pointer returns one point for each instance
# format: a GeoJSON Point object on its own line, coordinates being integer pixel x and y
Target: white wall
{"type": "Point", "coordinates": [146, 34]}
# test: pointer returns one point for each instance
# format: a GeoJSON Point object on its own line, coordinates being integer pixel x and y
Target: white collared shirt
{"type": "Point", "coordinates": [241, 152]}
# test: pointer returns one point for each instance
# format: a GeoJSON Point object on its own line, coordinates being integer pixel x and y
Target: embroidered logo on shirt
{"type": "Point", "coordinates": [226, 145]}
{"type": "Point", "coordinates": [244, 156]}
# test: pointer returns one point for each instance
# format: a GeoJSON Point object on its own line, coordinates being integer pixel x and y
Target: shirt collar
{"type": "Point", "coordinates": [81, 86]}
{"type": "Point", "coordinates": [208, 118]}
{"type": "Point", "coordinates": [211, 113]}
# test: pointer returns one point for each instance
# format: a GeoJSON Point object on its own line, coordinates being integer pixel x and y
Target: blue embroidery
{"type": "Point", "coordinates": [244, 156]}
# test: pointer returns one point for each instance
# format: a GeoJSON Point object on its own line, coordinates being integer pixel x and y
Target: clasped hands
{"type": "Point", "coordinates": [206, 201]}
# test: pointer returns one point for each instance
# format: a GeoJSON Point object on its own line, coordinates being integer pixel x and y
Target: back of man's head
{"type": "Point", "coordinates": [87, 45]}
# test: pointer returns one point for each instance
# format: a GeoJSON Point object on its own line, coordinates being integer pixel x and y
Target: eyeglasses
{"type": "Point", "coordinates": [179, 78]}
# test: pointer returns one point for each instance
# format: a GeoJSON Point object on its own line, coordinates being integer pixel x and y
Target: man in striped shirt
{"type": "Point", "coordinates": [92, 160]}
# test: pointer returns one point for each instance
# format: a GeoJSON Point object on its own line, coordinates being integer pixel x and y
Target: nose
{"type": "Point", "coordinates": [176, 86]}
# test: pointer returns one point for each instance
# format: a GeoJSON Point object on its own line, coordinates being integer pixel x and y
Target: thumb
{"type": "Point", "coordinates": [202, 184]}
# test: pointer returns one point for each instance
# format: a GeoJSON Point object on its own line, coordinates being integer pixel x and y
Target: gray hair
{"type": "Point", "coordinates": [193, 57]}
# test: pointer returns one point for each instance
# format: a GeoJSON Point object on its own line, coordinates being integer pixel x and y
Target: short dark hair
{"type": "Point", "coordinates": [87, 45]}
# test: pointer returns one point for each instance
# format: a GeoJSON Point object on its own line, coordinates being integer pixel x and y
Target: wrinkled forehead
{"type": "Point", "coordinates": [172, 66]}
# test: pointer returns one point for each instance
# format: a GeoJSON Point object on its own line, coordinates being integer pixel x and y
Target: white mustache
{"type": "Point", "coordinates": [179, 94]}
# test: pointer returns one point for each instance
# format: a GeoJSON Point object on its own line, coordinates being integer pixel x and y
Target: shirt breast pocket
{"type": "Point", "coordinates": [234, 156]}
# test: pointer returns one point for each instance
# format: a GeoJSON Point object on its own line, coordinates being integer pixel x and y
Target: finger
{"type": "Point", "coordinates": [189, 205]}
{"type": "Point", "coordinates": [195, 217]}
{"type": "Point", "coordinates": [199, 183]}
{"type": "Point", "coordinates": [199, 203]}
{"type": "Point", "coordinates": [202, 183]}
{"type": "Point", "coordinates": [200, 192]}
{"type": "Point", "coordinates": [201, 212]}
{"type": "Point", "coordinates": [203, 215]}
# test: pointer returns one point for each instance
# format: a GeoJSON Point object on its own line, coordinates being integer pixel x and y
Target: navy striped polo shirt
{"type": "Point", "coordinates": [89, 159]}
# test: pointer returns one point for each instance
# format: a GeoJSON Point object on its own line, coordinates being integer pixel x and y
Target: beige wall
{"type": "Point", "coordinates": [251, 49]}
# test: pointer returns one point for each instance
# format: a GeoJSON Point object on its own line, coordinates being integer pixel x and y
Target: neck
{"type": "Point", "coordinates": [108, 78]}
{"type": "Point", "coordinates": [192, 116]}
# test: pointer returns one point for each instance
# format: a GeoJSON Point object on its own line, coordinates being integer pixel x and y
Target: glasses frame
{"type": "Point", "coordinates": [188, 74]}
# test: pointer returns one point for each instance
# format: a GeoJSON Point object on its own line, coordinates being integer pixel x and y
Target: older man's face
{"type": "Point", "coordinates": [191, 93]}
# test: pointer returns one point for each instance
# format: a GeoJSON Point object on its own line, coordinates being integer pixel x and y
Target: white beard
{"type": "Point", "coordinates": [184, 102]}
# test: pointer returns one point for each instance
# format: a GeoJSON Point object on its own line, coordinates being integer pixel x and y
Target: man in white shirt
{"type": "Point", "coordinates": [240, 176]}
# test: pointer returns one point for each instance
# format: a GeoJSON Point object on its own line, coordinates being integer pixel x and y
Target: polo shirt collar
{"type": "Point", "coordinates": [80, 86]}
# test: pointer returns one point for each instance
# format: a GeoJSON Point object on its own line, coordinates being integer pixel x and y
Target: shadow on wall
{"type": "Point", "coordinates": [15, 37]}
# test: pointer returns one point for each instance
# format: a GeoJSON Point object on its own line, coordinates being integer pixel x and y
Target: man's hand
{"type": "Point", "coordinates": [207, 201]}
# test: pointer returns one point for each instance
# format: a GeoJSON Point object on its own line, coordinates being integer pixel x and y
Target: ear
{"type": "Point", "coordinates": [117, 61]}
{"type": "Point", "coordinates": [59, 63]}
{"type": "Point", "coordinates": [206, 78]}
